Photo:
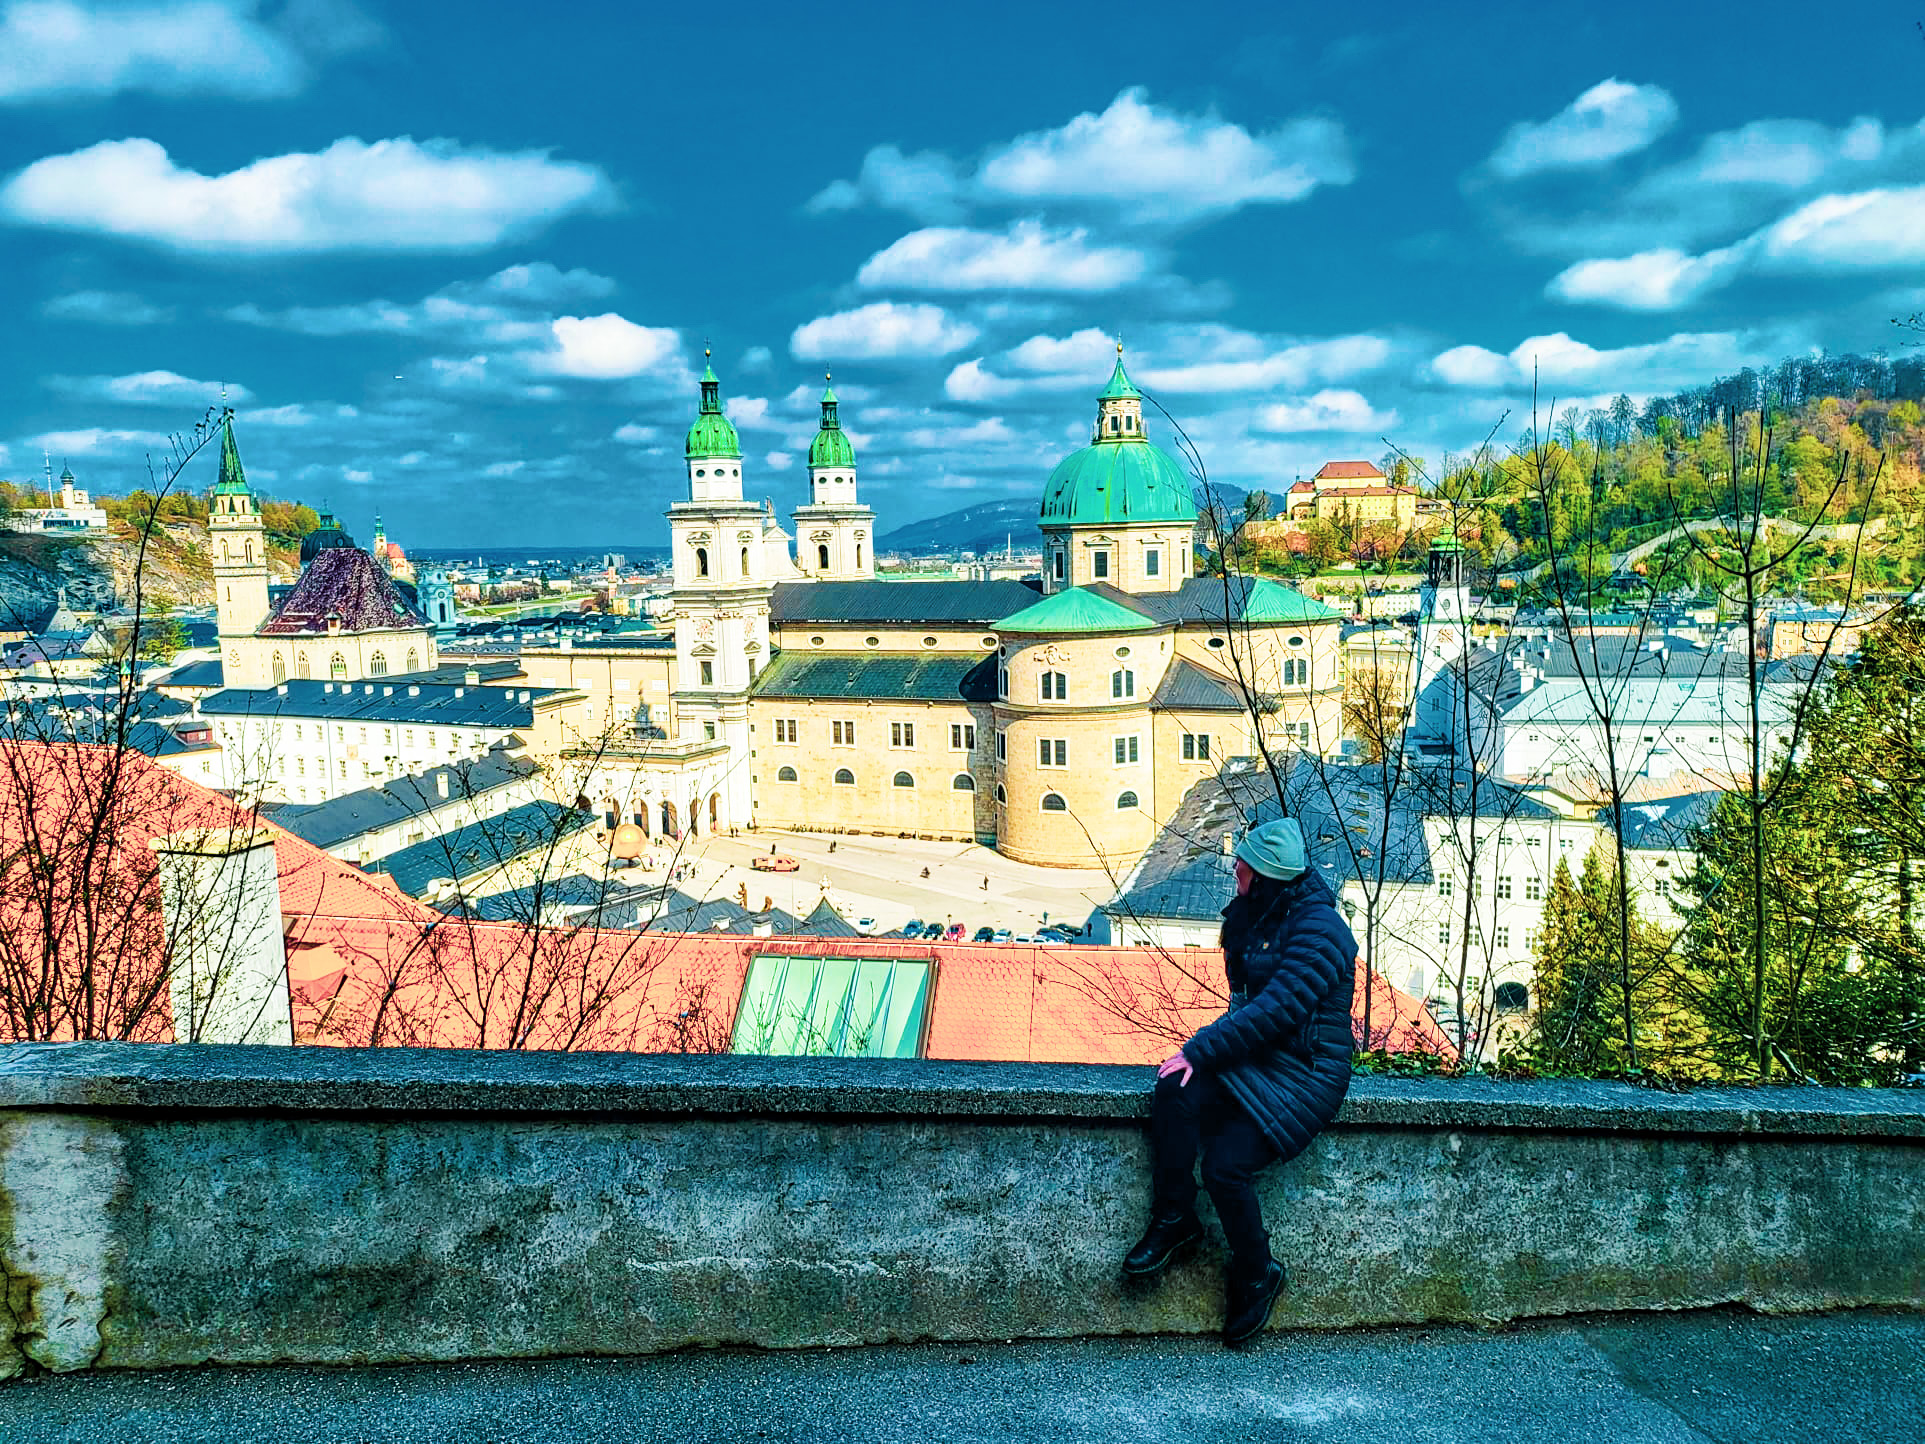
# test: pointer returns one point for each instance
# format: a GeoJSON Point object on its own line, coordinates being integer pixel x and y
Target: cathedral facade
{"type": "Point", "coordinates": [1060, 721]}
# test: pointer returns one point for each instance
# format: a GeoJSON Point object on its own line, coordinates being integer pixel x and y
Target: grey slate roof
{"type": "Point", "coordinates": [926, 676]}
{"type": "Point", "coordinates": [975, 603]}
{"type": "Point", "coordinates": [1186, 687]}
{"type": "Point", "coordinates": [196, 674]}
{"type": "Point", "coordinates": [482, 845]}
{"type": "Point", "coordinates": [825, 922]}
{"type": "Point", "coordinates": [685, 914]}
{"type": "Point", "coordinates": [384, 700]}
{"type": "Point", "coordinates": [1663, 823]}
{"type": "Point", "coordinates": [1199, 599]}
{"type": "Point", "coordinates": [454, 674]}
{"type": "Point", "coordinates": [340, 819]}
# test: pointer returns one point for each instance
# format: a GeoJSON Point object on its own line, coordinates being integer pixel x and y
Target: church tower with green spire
{"type": "Point", "coordinates": [834, 533]}
{"type": "Point", "coordinates": [720, 603]}
{"type": "Point", "coordinates": [239, 542]}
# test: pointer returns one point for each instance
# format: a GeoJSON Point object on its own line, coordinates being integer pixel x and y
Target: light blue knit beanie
{"type": "Point", "coordinates": [1275, 849]}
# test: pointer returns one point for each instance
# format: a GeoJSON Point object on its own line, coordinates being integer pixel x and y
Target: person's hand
{"type": "Point", "coordinates": [1178, 1064]}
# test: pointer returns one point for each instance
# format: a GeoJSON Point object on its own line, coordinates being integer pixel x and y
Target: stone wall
{"type": "Point", "coordinates": [163, 1206]}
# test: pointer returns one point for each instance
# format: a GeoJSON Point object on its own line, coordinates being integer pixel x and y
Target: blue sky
{"type": "Point", "coordinates": [458, 262]}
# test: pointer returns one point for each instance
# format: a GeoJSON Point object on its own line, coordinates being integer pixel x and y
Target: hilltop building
{"type": "Point", "coordinates": [72, 511]}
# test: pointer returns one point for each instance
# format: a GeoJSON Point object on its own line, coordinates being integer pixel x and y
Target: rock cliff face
{"type": "Point", "coordinates": [99, 573]}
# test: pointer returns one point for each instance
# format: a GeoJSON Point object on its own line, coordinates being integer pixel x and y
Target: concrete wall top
{"type": "Point", "coordinates": [131, 1077]}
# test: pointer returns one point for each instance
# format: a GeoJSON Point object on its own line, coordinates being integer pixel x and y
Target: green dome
{"type": "Point", "coordinates": [712, 435]}
{"type": "Point", "coordinates": [831, 445]}
{"type": "Point", "coordinates": [1111, 483]}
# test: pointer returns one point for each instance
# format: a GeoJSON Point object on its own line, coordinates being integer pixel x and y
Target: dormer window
{"type": "Point", "coordinates": [1116, 424]}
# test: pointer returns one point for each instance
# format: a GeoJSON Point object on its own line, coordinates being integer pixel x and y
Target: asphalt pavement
{"type": "Point", "coordinates": [1722, 1375]}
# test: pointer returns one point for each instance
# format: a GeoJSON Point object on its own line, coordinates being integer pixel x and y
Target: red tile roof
{"type": "Point", "coordinates": [345, 582]}
{"type": "Point", "coordinates": [368, 965]}
{"type": "Point", "coordinates": [1355, 470]}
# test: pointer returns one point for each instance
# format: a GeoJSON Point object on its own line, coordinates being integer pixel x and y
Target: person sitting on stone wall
{"type": "Point", "coordinates": [1256, 1086]}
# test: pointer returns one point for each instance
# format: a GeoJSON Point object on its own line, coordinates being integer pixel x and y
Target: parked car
{"type": "Point", "coordinates": [1058, 932]}
{"type": "Point", "coordinates": [931, 932]}
{"type": "Point", "coordinates": [1002, 936]}
{"type": "Point", "coordinates": [866, 926]}
{"type": "Point", "coordinates": [985, 935]}
{"type": "Point", "coordinates": [1026, 938]}
{"type": "Point", "coordinates": [774, 862]}
{"type": "Point", "coordinates": [954, 932]}
{"type": "Point", "coordinates": [912, 928]}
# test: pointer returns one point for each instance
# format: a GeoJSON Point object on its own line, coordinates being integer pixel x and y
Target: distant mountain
{"type": "Point", "coordinates": [985, 527]}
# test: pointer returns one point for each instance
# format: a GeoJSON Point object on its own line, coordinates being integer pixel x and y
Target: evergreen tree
{"type": "Point", "coordinates": [1578, 1028]}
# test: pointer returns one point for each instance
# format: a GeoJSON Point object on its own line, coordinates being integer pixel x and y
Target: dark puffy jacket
{"type": "Point", "coordinates": [1285, 1054]}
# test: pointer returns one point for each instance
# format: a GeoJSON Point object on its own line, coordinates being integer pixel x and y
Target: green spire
{"type": "Point", "coordinates": [831, 446]}
{"type": "Point", "coordinates": [712, 435]}
{"type": "Point", "coordinates": [233, 480]}
{"type": "Point", "coordinates": [1120, 386]}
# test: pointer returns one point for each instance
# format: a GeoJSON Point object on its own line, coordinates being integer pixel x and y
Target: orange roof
{"type": "Point", "coordinates": [1303, 486]}
{"type": "Point", "coordinates": [369, 965]}
{"type": "Point", "coordinates": [1335, 470]}
{"type": "Point", "coordinates": [1368, 491]}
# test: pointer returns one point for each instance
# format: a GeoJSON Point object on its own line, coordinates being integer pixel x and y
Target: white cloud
{"type": "Point", "coordinates": [1611, 119]}
{"type": "Point", "coordinates": [393, 195]}
{"type": "Point", "coordinates": [1158, 164]}
{"type": "Point", "coordinates": [1659, 280]}
{"type": "Point", "coordinates": [1026, 257]}
{"type": "Point", "coordinates": [990, 431]}
{"type": "Point", "coordinates": [110, 308]}
{"type": "Point", "coordinates": [757, 358]}
{"type": "Point", "coordinates": [1558, 363]}
{"type": "Point", "coordinates": [56, 48]}
{"type": "Point", "coordinates": [881, 331]}
{"type": "Point", "coordinates": [1147, 162]}
{"type": "Point", "coordinates": [751, 413]}
{"type": "Point", "coordinates": [606, 348]}
{"type": "Point", "coordinates": [296, 414]}
{"type": "Point", "coordinates": [1086, 351]}
{"type": "Point", "coordinates": [542, 283]}
{"type": "Point", "coordinates": [502, 468]}
{"type": "Point", "coordinates": [1327, 410]}
{"type": "Point", "coordinates": [636, 435]}
{"type": "Point", "coordinates": [1880, 229]}
{"type": "Point", "coordinates": [149, 388]}
{"type": "Point", "coordinates": [777, 460]}
{"type": "Point", "coordinates": [1335, 358]}
{"type": "Point", "coordinates": [95, 439]}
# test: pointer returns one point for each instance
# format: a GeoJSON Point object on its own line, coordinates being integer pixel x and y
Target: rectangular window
{"type": "Point", "coordinates": [1504, 938]}
{"type": "Point", "coordinates": [300, 767]}
{"type": "Point", "coordinates": [708, 731]}
{"type": "Point", "coordinates": [1002, 746]}
{"type": "Point", "coordinates": [1055, 687]}
{"type": "Point", "coordinates": [962, 736]}
{"type": "Point", "coordinates": [1504, 886]}
{"type": "Point", "coordinates": [1099, 565]}
{"type": "Point", "coordinates": [387, 736]}
{"type": "Point", "coordinates": [1059, 566]}
{"type": "Point", "coordinates": [1661, 886]}
{"type": "Point", "coordinates": [1123, 683]}
{"type": "Point", "coordinates": [407, 735]}
{"type": "Point", "coordinates": [344, 768]}
{"type": "Point", "coordinates": [364, 734]}
{"type": "Point", "coordinates": [1126, 749]}
{"type": "Point", "coordinates": [785, 729]}
{"type": "Point", "coordinates": [832, 1007]}
{"type": "Point", "coordinates": [1152, 562]}
{"type": "Point", "coordinates": [842, 734]}
{"type": "Point", "coordinates": [1444, 884]}
{"type": "Point", "coordinates": [1443, 931]}
{"type": "Point", "coordinates": [902, 734]}
{"type": "Point", "coordinates": [708, 674]}
{"type": "Point", "coordinates": [1196, 746]}
{"type": "Point", "coordinates": [1052, 752]}
{"type": "Point", "coordinates": [431, 738]}
{"type": "Point", "coordinates": [1533, 887]}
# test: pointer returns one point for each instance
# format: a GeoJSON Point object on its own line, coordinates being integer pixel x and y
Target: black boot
{"type": "Point", "coordinates": [1250, 1297]}
{"type": "Point", "coordinates": [1163, 1241]}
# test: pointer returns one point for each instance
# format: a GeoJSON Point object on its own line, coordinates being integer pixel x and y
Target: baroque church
{"type": "Point", "coordinates": [344, 619]}
{"type": "Point", "coordinates": [1060, 720]}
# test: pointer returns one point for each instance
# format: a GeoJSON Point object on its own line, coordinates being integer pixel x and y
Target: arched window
{"type": "Point", "coordinates": [822, 557]}
{"type": "Point", "coordinates": [962, 782]}
{"type": "Point", "coordinates": [1125, 801]}
{"type": "Point", "coordinates": [1123, 683]}
{"type": "Point", "coordinates": [337, 666]}
{"type": "Point", "coordinates": [903, 779]}
{"type": "Point", "coordinates": [1053, 802]}
{"type": "Point", "coordinates": [1512, 997]}
{"type": "Point", "coordinates": [226, 554]}
{"type": "Point", "coordinates": [1002, 797]}
{"type": "Point", "coordinates": [787, 774]}
{"type": "Point", "coordinates": [745, 561]}
{"type": "Point", "coordinates": [301, 668]}
{"type": "Point", "coordinates": [1055, 686]}
{"type": "Point", "coordinates": [858, 553]}
{"type": "Point", "coordinates": [701, 561]}
{"type": "Point", "coordinates": [414, 660]}
{"type": "Point", "coordinates": [845, 778]}
{"type": "Point", "coordinates": [1296, 672]}
{"type": "Point", "coordinates": [378, 665]}
{"type": "Point", "coordinates": [248, 547]}
{"type": "Point", "coordinates": [280, 668]}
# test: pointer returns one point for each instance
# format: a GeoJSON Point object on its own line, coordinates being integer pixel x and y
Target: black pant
{"type": "Point", "coordinates": [1203, 1114]}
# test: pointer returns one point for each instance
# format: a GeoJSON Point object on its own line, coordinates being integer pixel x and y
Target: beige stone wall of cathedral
{"type": "Point", "coordinates": [882, 638]}
{"type": "Point", "coordinates": [848, 755]}
{"type": "Point", "coordinates": [1134, 559]}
